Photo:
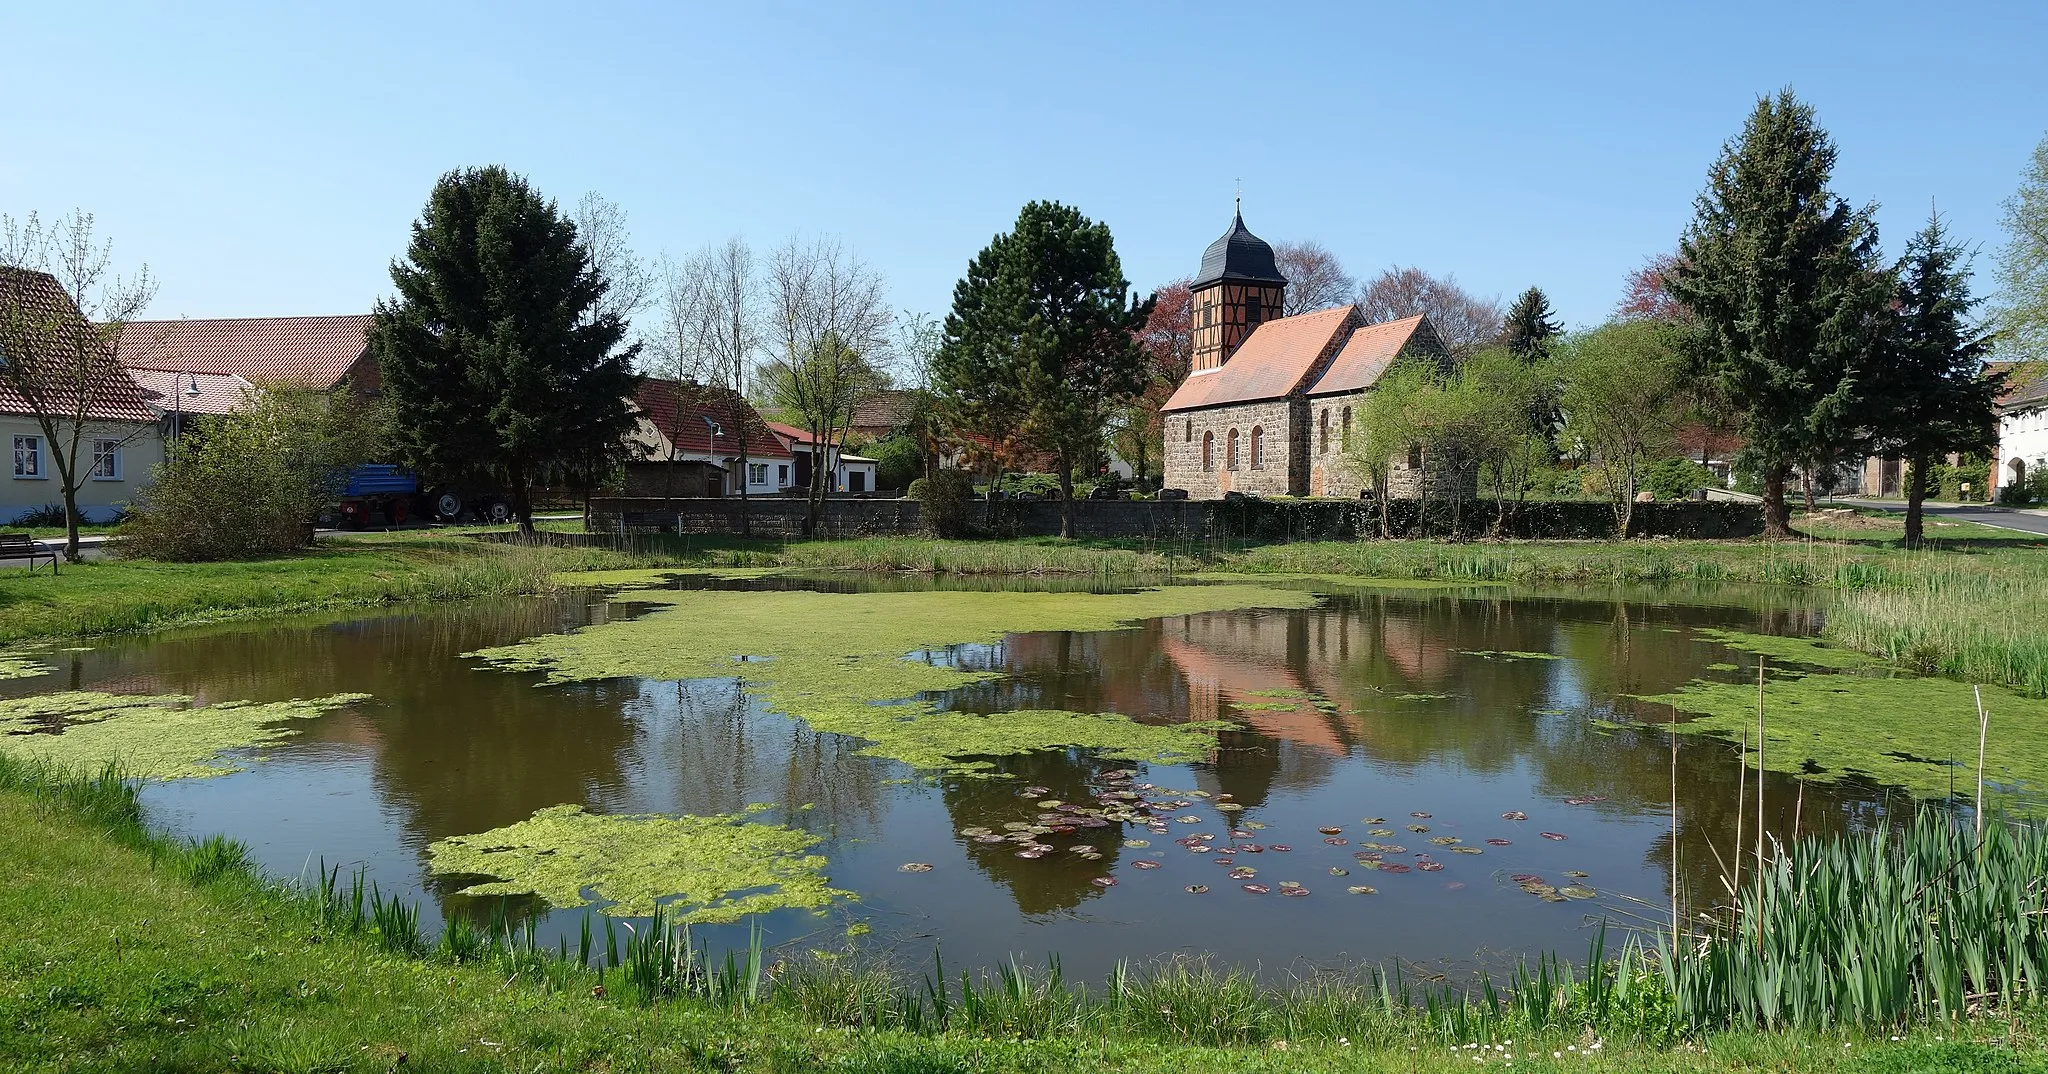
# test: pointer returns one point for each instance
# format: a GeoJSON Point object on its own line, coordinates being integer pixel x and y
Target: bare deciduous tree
{"type": "Point", "coordinates": [62, 313]}
{"type": "Point", "coordinates": [828, 323]}
{"type": "Point", "coordinates": [601, 225]}
{"type": "Point", "coordinates": [1315, 279]}
{"type": "Point", "coordinates": [711, 334]}
{"type": "Point", "coordinates": [1462, 321]}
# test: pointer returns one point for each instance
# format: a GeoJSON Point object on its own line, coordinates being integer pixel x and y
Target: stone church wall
{"type": "Point", "coordinates": [1184, 433]}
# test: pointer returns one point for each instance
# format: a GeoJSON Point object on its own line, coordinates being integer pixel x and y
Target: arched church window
{"type": "Point", "coordinates": [1230, 451]}
{"type": "Point", "coordinates": [1258, 447]}
{"type": "Point", "coordinates": [1208, 452]}
{"type": "Point", "coordinates": [1324, 422]}
{"type": "Point", "coordinates": [1190, 437]}
{"type": "Point", "coordinates": [1415, 456]}
{"type": "Point", "coordinates": [1347, 428]}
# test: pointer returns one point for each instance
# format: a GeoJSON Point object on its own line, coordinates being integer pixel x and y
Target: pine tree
{"type": "Point", "coordinates": [1530, 326]}
{"type": "Point", "coordinates": [1787, 294]}
{"type": "Point", "coordinates": [499, 356]}
{"type": "Point", "coordinates": [1931, 395]}
{"type": "Point", "coordinates": [1042, 340]}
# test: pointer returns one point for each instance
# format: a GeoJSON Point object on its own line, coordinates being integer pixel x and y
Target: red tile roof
{"type": "Point", "coordinates": [36, 316]}
{"type": "Point", "coordinates": [174, 392]}
{"type": "Point", "coordinates": [1366, 355]}
{"type": "Point", "coordinates": [679, 415]}
{"type": "Point", "coordinates": [1270, 363]}
{"type": "Point", "coordinates": [306, 352]}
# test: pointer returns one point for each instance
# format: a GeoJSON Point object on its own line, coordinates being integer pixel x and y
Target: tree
{"type": "Point", "coordinates": [711, 335]}
{"type": "Point", "coordinates": [1621, 404]}
{"type": "Point", "coordinates": [1166, 340]}
{"type": "Point", "coordinates": [1646, 295]}
{"type": "Point", "coordinates": [499, 355]}
{"type": "Point", "coordinates": [601, 225]}
{"type": "Point", "coordinates": [918, 337]}
{"type": "Point", "coordinates": [1464, 323]}
{"type": "Point", "coordinates": [2022, 311]}
{"type": "Point", "coordinates": [1315, 280]}
{"type": "Point", "coordinates": [62, 315]}
{"type": "Point", "coordinates": [1042, 329]}
{"type": "Point", "coordinates": [1931, 395]}
{"type": "Point", "coordinates": [1786, 293]}
{"type": "Point", "coordinates": [1530, 326]}
{"type": "Point", "coordinates": [1508, 426]}
{"type": "Point", "coordinates": [826, 323]}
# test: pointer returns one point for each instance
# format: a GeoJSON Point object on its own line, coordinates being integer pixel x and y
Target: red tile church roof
{"type": "Point", "coordinates": [1270, 363]}
{"type": "Point", "coordinates": [1366, 356]}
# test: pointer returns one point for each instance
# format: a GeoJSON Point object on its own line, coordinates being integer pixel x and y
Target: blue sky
{"type": "Point", "coordinates": [266, 159]}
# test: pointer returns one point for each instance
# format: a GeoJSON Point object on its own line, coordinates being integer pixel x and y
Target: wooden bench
{"type": "Point", "coordinates": [23, 546]}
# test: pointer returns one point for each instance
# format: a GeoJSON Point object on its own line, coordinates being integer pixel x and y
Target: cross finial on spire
{"type": "Point", "coordinates": [1240, 195]}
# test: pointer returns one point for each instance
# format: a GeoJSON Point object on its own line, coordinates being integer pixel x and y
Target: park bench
{"type": "Point", "coordinates": [23, 546]}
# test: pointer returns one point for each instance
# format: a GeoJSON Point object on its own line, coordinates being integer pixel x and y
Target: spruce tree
{"type": "Point", "coordinates": [1787, 294]}
{"type": "Point", "coordinates": [1530, 326]}
{"type": "Point", "coordinates": [1931, 394]}
{"type": "Point", "coordinates": [499, 356]}
{"type": "Point", "coordinates": [1042, 340]}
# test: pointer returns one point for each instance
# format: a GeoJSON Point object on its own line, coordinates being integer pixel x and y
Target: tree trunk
{"type": "Point", "coordinates": [1627, 512]}
{"type": "Point", "coordinates": [1066, 498]}
{"type": "Point", "coordinates": [70, 520]}
{"type": "Point", "coordinates": [1777, 513]}
{"type": "Point", "coordinates": [522, 499]}
{"type": "Point", "coordinates": [1916, 492]}
{"type": "Point", "coordinates": [746, 475]}
{"type": "Point", "coordinates": [1806, 484]}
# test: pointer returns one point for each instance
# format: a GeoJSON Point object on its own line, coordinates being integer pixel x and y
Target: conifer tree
{"type": "Point", "coordinates": [1787, 294]}
{"type": "Point", "coordinates": [1042, 339]}
{"type": "Point", "coordinates": [499, 356]}
{"type": "Point", "coordinates": [1530, 326]}
{"type": "Point", "coordinates": [1931, 394]}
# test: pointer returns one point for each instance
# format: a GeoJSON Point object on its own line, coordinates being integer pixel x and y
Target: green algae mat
{"type": "Point", "coordinates": [1831, 714]}
{"type": "Point", "coordinates": [703, 870]}
{"type": "Point", "coordinates": [856, 663]}
{"type": "Point", "coordinates": [149, 737]}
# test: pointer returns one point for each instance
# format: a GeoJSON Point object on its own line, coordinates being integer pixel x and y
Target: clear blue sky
{"type": "Point", "coordinates": [266, 159]}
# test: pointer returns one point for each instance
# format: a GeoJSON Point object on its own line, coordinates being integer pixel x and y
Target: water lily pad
{"type": "Point", "coordinates": [1228, 806]}
{"type": "Point", "coordinates": [1257, 889]}
{"type": "Point", "coordinates": [1223, 859]}
{"type": "Point", "coordinates": [1381, 832]}
{"type": "Point", "coordinates": [990, 838]}
{"type": "Point", "coordinates": [1373, 820]}
{"type": "Point", "coordinates": [1294, 892]}
{"type": "Point", "coordinates": [1290, 883]}
{"type": "Point", "coordinates": [1243, 872]}
{"type": "Point", "coordinates": [1138, 844]}
{"type": "Point", "coordinates": [1189, 818]}
{"type": "Point", "coordinates": [1279, 848]}
{"type": "Point", "coordinates": [1331, 830]}
{"type": "Point", "coordinates": [1240, 833]}
{"type": "Point", "coordinates": [1082, 848]}
{"type": "Point", "coordinates": [1034, 792]}
{"type": "Point", "coordinates": [1393, 867]}
{"type": "Point", "coordinates": [1336, 840]}
{"type": "Point", "coordinates": [1372, 863]}
{"type": "Point", "coordinates": [1467, 850]}
{"type": "Point", "coordinates": [1144, 863]}
{"type": "Point", "coordinates": [1418, 828]}
{"type": "Point", "coordinates": [1031, 852]}
{"type": "Point", "coordinates": [1446, 840]}
{"type": "Point", "coordinates": [1420, 816]}
{"type": "Point", "coordinates": [1196, 889]}
{"type": "Point", "coordinates": [1429, 866]}
{"type": "Point", "coordinates": [1255, 825]}
{"type": "Point", "coordinates": [1577, 874]}
{"type": "Point", "coordinates": [1556, 837]}
{"type": "Point", "coordinates": [1249, 848]}
{"type": "Point", "coordinates": [1339, 871]}
{"type": "Point", "coordinates": [1514, 814]}
{"type": "Point", "coordinates": [1361, 889]}
{"type": "Point", "coordinates": [1500, 842]}
{"type": "Point", "coordinates": [1103, 881]}
{"type": "Point", "coordinates": [971, 832]}
{"type": "Point", "coordinates": [1577, 891]}
{"type": "Point", "coordinates": [914, 867]}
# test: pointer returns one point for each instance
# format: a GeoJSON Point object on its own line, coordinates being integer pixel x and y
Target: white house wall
{"type": "Point", "coordinates": [99, 499]}
{"type": "Point", "coordinates": [2023, 436]}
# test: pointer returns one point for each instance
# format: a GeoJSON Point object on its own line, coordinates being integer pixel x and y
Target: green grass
{"type": "Point", "coordinates": [121, 949]}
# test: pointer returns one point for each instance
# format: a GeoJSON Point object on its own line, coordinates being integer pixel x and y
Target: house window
{"type": "Point", "coordinates": [1258, 447]}
{"type": "Point", "coordinates": [757, 473]}
{"type": "Point", "coordinates": [28, 457]}
{"type": "Point", "coordinates": [1230, 451]}
{"type": "Point", "coordinates": [106, 460]}
{"type": "Point", "coordinates": [782, 474]}
{"type": "Point", "coordinates": [1208, 452]}
{"type": "Point", "coordinates": [1415, 456]}
{"type": "Point", "coordinates": [1324, 431]}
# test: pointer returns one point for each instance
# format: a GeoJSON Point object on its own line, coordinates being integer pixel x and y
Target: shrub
{"type": "Point", "coordinates": [942, 501]}
{"type": "Point", "coordinates": [899, 461]}
{"type": "Point", "coordinates": [1676, 478]}
{"type": "Point", "coordinates": [248, 483]}
{"type": "Point", "coordinates": [49, 514]}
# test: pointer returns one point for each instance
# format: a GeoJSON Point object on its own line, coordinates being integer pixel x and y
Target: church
{"type": "Point", "coordinates": [1271, 401]}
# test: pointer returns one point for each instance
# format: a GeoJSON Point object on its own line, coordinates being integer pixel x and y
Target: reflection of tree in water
{"type": "Point", "coordinates": [1060, 880]}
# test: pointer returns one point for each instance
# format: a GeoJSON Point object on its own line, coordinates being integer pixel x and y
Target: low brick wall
{"type": "Point", "coordinates": [1277, 520]}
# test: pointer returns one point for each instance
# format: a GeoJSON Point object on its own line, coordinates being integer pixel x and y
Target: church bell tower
{"type": "Point", "coordinates": [1238, 288]}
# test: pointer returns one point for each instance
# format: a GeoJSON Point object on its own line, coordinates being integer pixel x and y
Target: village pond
{"type": "Point", "coordinates": [1313, 773]}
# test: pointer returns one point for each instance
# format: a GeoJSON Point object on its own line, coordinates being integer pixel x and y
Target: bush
{"type": "Point", "coordinates": [248, 483]}
{"type": "Point", "coordinates": [1675, 478]}
{"type": "Point", "coordinates": [899, 461]}
{"type": "Point", "coordinates": [942, 501]}
{"type": "Point", "coordinates": [49, 514]}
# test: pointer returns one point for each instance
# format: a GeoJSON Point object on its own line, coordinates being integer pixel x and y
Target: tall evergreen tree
{"type": "Point", "coordinates": [1787, 294]}
{"type": "Point", "coordinates": [1931, 393]}
{"type": "Point", "coordinates": [499, 355]}
{"type": "Point", "coordinates": [1042, 337]}
{"type": "Point", "coordinates": [1530, 326]}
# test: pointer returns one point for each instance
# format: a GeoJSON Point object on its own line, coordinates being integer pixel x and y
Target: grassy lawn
{"type": "Point", "coordinates": [120, 950]}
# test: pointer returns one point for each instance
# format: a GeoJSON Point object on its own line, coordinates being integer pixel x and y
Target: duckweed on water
{"type": "Point", "coordinates": [16, 666]}
{"type": "Point", "coordinates": [1777, 648]}
{"type": "Point", "coordinates": [832, 658]}
{"type": "Point", "coordinates": [163, 737]}
{"type": "Point", "coordinates": [717, 869]}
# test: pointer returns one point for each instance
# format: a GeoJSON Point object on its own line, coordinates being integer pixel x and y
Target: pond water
{"type": "Point", "coordinates": [1427, 709]}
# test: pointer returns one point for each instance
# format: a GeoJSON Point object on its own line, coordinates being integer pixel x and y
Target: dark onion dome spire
{"type": "Point", "coordinates": [1238, 255]}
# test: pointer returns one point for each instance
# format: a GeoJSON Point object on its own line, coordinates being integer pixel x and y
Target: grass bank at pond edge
{"type": "Point", "coordinates": [123, 950]}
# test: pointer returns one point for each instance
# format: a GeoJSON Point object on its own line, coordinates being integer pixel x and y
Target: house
{"type": "Point", "coordinates": [850, 473]}
{"type": "Point", "coordinates": [884, 412]}
{"type": "Point", "coordinates": [118, 440]}
{"type": "Point", "coordinates": [1271, 401]}
{"type": "Point", "coordinates": [2022, 453]}
{"type": "Point", "coordinates": [687, 441]}
{"type": "Point", "coordinates": [209, 367]}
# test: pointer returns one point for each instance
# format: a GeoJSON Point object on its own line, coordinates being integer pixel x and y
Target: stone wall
{"type": "Point", "coordinates": [1252, 519]}
{"type": "Point", "coordinates": [1184, 433]}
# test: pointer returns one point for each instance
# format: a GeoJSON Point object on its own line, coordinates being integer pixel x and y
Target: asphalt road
{"type": "Point", "coordinates": [2023, 521]}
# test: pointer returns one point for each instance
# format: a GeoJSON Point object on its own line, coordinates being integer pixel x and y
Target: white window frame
{"type": "Point", "coordinates": [754, 468]}
{"type": "Point", "coordinates": [111, 453]}
{"type": "Point", "coordinates": [781, 474]}
{"type": "Point", "coordinates": [29, 448]}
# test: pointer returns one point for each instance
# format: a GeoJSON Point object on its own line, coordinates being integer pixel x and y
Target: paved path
{"type": "Point", "coordinates": [2001, 517]}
